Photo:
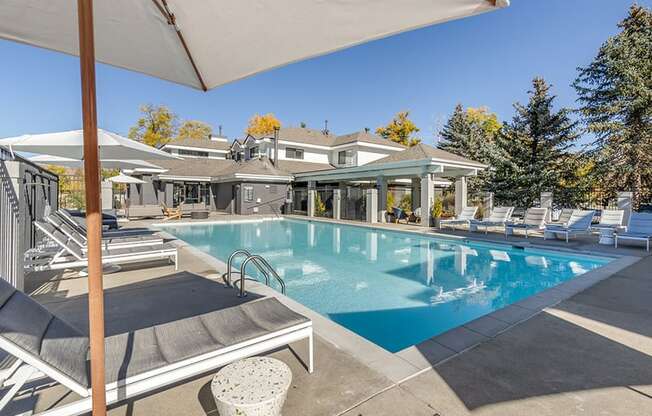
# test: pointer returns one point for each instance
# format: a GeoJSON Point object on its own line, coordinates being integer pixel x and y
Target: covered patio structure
{"type": "Point", "coordinates": [422, 167]}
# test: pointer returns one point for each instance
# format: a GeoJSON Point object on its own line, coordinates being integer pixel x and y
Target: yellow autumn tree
{"type": "Point", "coordinates": [484, 118]}
{"type": "Point", "coordinates": [260, 125]}
{"type": "Point", "coordinates": [156, 126]}
{"type": "Point", "coordinates": [194, 129]}
{"type": "Point", "coordinates": [400, 130]}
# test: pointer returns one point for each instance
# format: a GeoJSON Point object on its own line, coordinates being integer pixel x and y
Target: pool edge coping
{"type": "Point", "coordinates": [403, 365]}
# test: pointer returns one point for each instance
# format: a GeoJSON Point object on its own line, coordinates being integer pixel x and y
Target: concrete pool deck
{"type": "Point", "coordinates": [592, 351]}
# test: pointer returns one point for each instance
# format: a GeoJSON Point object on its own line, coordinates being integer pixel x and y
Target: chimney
{"type": "Point", "coordinates": [219, 130]}
{"type": "Point", "coordinates": [276, 129]}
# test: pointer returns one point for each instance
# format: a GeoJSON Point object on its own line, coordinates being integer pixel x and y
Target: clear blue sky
{"type": "Point", "coordinates": [488, 60]}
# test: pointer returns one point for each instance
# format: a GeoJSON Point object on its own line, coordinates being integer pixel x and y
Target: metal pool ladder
{"type": "Point", "coordinates": [261, 264]}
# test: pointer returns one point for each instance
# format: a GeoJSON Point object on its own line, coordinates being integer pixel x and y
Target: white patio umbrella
{"type": "Point", "coordinates": [106, 164]}
{"type": "Point", "coordinates": [122, 178]}
{"type": "Point", "coordinates": [70, 144]}
{"type": "Point", "coordinates": [203, 44]}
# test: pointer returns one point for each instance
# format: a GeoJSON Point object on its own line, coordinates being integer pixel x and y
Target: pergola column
{"type": "Point", "coordinates": [545, 201]}
{"type": "Point", "coordinates": [381, 184]}
{"type": "Point", "coordinates": [312, 191]}
{"type": "Point", "coordinates": [427, 198]}
{"type": "Point", "coordinates": [372, 205]}
{"type": "Point", "coordinates": [460, 194]}
{"type": "Point", "coordinates": [337, 203]}
{"type": "Point", "coordinates": [416, 193]}
{"type": "Point", "coordinates": [624, 202]}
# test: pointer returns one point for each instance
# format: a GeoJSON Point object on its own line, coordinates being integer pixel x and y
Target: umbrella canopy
{"type": "Point", "coordinates": [70, 144]}
{"type": "Point", "coordinates": [203, 44]}
{"type": "Point", "coordinates": [106, 164]}
{"type": "Point", "coordinates": [219, 41]}
{"type": "Point", "coordinates": [122, 178]}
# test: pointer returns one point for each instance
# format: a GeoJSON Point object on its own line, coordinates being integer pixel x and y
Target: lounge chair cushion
{"type": "Point", "coordinates": [154, 347]}
{"type": "Point", "coordinates": [28, 325]}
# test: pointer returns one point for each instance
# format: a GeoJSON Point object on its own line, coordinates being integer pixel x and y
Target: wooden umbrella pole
{"type": "Point", "coordinates": [93, 205]}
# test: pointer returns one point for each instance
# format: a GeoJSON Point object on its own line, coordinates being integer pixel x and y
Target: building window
{"type": "Point", "coordinates": [253, 152]}
{"type": "Point", "coordinates": [190, 193]}
{"type": "Point", "coordinates": [248, 193]}
{"type": "Point", "coordinates": [345, 157]}
{"type": "Point", "coordinates": [195, 153]}
{"type": "Point", "coordinates": [292, 153]}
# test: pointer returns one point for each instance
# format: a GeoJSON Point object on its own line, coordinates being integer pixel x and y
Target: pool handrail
{"type": "Point", "coordinates": [257, 261]}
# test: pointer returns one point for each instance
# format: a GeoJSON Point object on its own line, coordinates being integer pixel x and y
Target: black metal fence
{"type": "Point", "coordinates": [26, 192]}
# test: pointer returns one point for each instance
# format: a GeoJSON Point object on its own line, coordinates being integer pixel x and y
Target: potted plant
{"type": "Point", "coordinates": [437, 211]}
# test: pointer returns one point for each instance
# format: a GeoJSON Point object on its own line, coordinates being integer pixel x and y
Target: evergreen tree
{"type": "Point", "coordinates": [532, 150]}
{"type": "Point", "coordinates": [615, 94]}
{"type": "Point", "coordinates": [471, 134]}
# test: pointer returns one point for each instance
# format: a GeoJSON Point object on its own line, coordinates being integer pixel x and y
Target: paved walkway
{"type": "Point", "coordinates": [591, 354]}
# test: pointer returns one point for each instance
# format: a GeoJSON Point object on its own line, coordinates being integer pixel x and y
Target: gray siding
{"type": "Point", "coordinates": [268, 198]}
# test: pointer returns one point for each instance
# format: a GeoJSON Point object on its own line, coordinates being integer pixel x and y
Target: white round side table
{"type": "Point", "coordinates": [254, 386]}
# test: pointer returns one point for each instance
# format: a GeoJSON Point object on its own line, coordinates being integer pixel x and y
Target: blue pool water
{"type": "Point", "coordinates": [394, 288]}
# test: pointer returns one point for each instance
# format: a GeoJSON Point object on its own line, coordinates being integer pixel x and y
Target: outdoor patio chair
{"type": "Point", "coordinates": [71, 255]}
{"type": "Point", "coordinates": [639, 229]}
{"type": "Point", "coordinates": [141, 360]}
{"type": "Point", "coordinates": [107, 242]}
{"type": "Point", "coordinates": [564, 216]}
{"type": "Point", "coordinates": [498, 217]}
{"type": "Point", "coordinates": [171, 213]}
{"type": "Point", "coordinates": [398, 214]}
{"type": "Point", "coordinates": [579, 223]}
{"type": "Point", "coordinates": [535, 219]}
{"type": "Point", "coordinates": [415, 216]}
{"type": "Point", "coordinates": [81, 228]}
{"type": "Point", "coordinates": [464, 218]}
{"type": "Point", "coordinates": [610, 219]}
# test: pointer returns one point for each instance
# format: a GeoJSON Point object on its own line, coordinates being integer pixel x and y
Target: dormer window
{"type": "Point", "coordinates": [293, 153]}
{"type": "Point", "coordinates": [345, 157]}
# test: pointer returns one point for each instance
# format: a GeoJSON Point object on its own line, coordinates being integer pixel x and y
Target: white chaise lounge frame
{"type": "Point", "coordinates": [59, 261]}
{"type": "Point", "coordinates": [106, 244]}
{"type": "Point", "coordinates": [28, 365]}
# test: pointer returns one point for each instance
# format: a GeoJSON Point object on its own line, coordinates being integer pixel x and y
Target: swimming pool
{"type": "Point", "coordinates": [394, 288]}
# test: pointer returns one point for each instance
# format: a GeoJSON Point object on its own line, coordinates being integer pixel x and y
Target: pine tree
{"type": "Point", "coordinates": [466, 134]}
{"type": "Point", "coordinates": [532, 148]}
{"type": "Point", "coordinates": [615, 94]}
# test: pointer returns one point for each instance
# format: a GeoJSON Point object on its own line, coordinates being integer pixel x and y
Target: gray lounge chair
{"type": "Point", "coordinates": [81, 228]}
{"type": "Point", "coordinates": [638, 229]}
{"type": "Point", "coordinates": [535, 219]}
{"type": "Point", "coordinates": [142, 360]}
{"type": "Point", "coordinates": [579, 223]}
{"type": "Point", "coordinates": [498, 217]}
{"type": "Point", "coordinates": [107, 242]}
{"type": "Point", "coordinates": [610, 219]}
{"type": "Point", "coordinates": [71, 255]}
{"type": "Point", "coordinates": [464, 218]}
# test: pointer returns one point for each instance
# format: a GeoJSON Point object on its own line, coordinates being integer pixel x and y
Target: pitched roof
{"type": "Point", "coordinates": [301, 135]}
{"type": "Point", "coordinates": [300, 167]}
{"type": "Point", "coordinates": [366, 137]}
{"type": "Point", "coordinates": [200, 143]}
{"type": "Point", "coordinates": [421, 152]}
{"type": "Point", "coordinates": [194, 167]}
{"type": "Point", "coordinates": [258, 166]}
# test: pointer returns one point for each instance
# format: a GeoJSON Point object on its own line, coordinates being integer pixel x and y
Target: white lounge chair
{"type": "Point", "coordinates": [498, 217]}
{"type": "Point", "coordinates": [107, 242]}
{"type": "Point", "coordinates": [141, 360]}
{"type": "Point", "coordinates": [638, 229]}
{"type": "Point", "coordinates": [579, 223]}
{"type": "Point", "coordinates": [535, 219]}
{"type": "Point", "coordinates": [71, 255]}
{"type": "Point", "coordinates": [564, 216]}
{"type": "Point", "coordinates": [610, 219]}
{"type": "Point", "coordinates": [464, 218]}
